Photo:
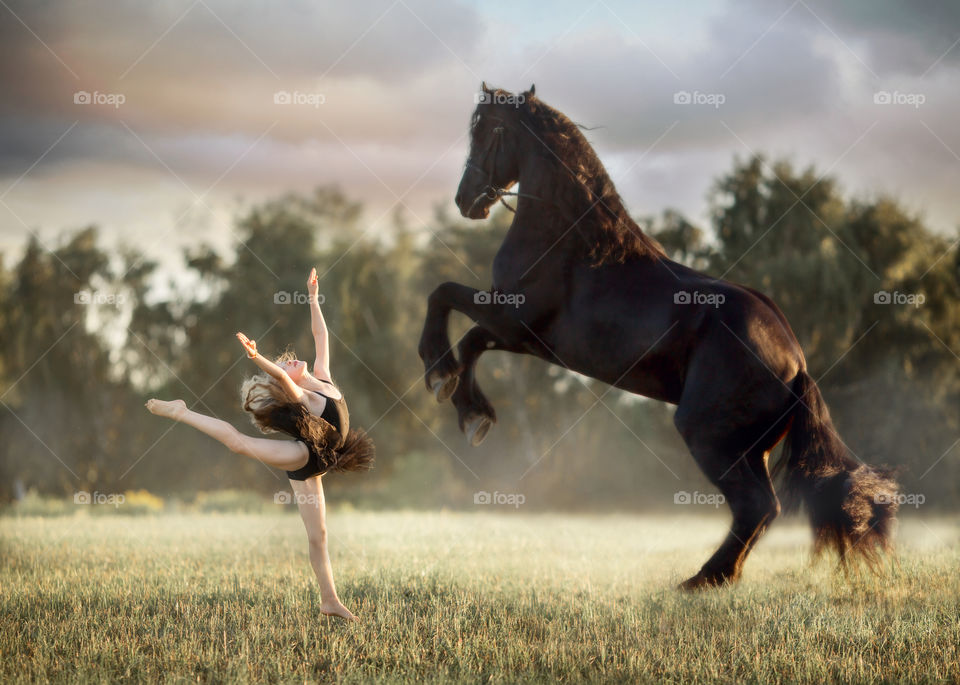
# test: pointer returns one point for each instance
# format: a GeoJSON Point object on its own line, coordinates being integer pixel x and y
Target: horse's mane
{"type": "Point", "coordinates": [607, 228]}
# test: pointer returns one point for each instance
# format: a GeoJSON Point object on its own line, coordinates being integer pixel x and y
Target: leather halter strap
{"type": "Point", "coordinates": [490, 191]}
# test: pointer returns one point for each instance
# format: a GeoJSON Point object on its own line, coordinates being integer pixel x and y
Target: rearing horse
{"type": "Point", "coordinates": [578, 284]}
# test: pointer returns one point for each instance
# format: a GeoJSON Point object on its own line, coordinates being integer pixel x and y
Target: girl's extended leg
{"type": "Point", "coordinates": [282, 454]}
{"type": "Point", "coordinates": [309, 494]}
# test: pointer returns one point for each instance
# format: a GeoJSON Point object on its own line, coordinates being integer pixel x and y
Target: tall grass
{"type": "Point", "coordinates": [502, 597]}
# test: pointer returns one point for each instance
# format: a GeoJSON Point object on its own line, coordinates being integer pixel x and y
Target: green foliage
{"type": "Point", "coordinates": [232, 501]}
{"type": "Point", "coordinates": [35, 504]}
{"type": "Point", "coordinates": [140, 502]}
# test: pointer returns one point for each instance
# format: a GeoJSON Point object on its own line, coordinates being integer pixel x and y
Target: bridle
{"type": "Point", "coordinates": [490, 191]}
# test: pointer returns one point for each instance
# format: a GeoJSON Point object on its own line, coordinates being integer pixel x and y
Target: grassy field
{"type": "Point", "coordinates": [503, 597]}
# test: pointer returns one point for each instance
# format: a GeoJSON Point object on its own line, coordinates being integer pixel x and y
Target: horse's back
{"type": "Point", "coordinates": [653, 322]}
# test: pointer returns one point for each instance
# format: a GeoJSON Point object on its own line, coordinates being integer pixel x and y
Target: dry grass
{"type": "Point", "coordinates": [500, 597]}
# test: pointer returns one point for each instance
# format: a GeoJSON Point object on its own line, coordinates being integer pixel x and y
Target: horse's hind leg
{"type": "Point", "coordinates": [753, 503]}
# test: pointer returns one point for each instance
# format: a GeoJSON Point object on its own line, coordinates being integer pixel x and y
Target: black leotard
{"type": "Point", "coordinates": [335, 413]}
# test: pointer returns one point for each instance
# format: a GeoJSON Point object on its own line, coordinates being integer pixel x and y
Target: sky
{"type": "Point", "coordinates": [181, 127]}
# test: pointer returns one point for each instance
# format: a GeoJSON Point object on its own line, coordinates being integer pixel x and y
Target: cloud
{"type": "Point", "coordinates": [393, 82]}
{"type": "Point", "coordinates": [897, 37]}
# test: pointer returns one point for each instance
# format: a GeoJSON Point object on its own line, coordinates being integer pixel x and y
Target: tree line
{"type": "Point", "coordinates": [88, 332]}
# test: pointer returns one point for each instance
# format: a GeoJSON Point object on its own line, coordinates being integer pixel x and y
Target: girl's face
{"type": "Point", "coordinates": [294, 368]}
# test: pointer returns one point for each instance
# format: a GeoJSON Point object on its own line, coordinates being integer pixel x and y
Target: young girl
{"type": "Point", "coordinates": [309, 407]}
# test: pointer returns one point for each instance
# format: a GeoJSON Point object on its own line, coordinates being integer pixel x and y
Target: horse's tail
{"type": "Point", "coordinates": [356, 453]}
{"type": "Point", "coordinates": [852, 506]}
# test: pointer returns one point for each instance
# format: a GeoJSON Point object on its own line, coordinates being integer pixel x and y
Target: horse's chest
{"type": "Point", "coordinates": [518, 265]}
{"type": "Point", "coordinates": [507, 269]}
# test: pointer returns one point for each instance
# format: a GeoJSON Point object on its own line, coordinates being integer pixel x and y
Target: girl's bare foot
{"type": "Point", "coordinates": [337, 609]}
{"type": "Point", "coordinates": [172, 410]}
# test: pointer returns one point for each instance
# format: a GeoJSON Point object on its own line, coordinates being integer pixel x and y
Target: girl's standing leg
{"type": "Point", "coordinates": [309, 494]}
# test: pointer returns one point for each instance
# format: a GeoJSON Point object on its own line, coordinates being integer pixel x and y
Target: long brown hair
{"type": "Point", "coordinates": [272, 411]}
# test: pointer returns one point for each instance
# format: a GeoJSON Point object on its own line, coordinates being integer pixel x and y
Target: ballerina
{"type": "Point", "coordinates": [287, 398]}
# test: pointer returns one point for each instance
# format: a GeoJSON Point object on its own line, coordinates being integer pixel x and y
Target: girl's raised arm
{"type": "Point", "coordinates": [294, 391]}
{"type": "Point", "coordinates": [321, 366]}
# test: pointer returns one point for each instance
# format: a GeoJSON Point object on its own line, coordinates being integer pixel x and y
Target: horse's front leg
{"type": "Point", "coordinates": [441, 369]}
{"type": "Point", "coordinates": [474, 411]}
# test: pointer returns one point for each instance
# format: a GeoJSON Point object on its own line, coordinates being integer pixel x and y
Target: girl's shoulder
{"type": "Point", "coordinates": [313, 402]}
{"type": "Point", "coordinates": [328, 389]}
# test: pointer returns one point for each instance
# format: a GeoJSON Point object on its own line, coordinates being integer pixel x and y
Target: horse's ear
{"type": "Point", "coordinates": [483, 87]}
{"type": "Point", "coordinates": [533, 89]}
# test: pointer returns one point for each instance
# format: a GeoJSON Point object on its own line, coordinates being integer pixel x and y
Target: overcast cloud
{"type": "Point", "coordinates": [396, 80]}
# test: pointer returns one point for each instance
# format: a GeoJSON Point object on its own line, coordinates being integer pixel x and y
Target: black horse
{"type": "Point", "coordinates": [578, 284]}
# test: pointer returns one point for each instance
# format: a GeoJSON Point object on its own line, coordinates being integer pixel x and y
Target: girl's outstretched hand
{"type": "Point", "coordinates": [312, 285]}
{"type": "Point", "coordinates": [249, 345]}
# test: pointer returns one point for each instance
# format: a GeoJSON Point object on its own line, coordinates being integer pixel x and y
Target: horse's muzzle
{"type": "Point", "coordinates": [475, 205]}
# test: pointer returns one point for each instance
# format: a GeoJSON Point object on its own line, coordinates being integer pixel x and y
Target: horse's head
{"type": "Point", "coordinates": [494, 162]}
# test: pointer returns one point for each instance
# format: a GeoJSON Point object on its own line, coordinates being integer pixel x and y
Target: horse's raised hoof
{"type": "Point", "coordinates": [476, 427]}
{"type": "Point", "coordinates": [704, 581]}
{"type": "Point", "coordinates": [443, 387]}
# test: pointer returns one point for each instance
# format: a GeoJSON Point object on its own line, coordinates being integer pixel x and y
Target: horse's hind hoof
{"type": "Point", "coordinates": [697, 582]}
{"type": "Point", "coordinates": [704, 581]}
{"type": "Point", "coordinates": [443, 388]}
{"type": "Point", "coordinates": [477, 428]}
